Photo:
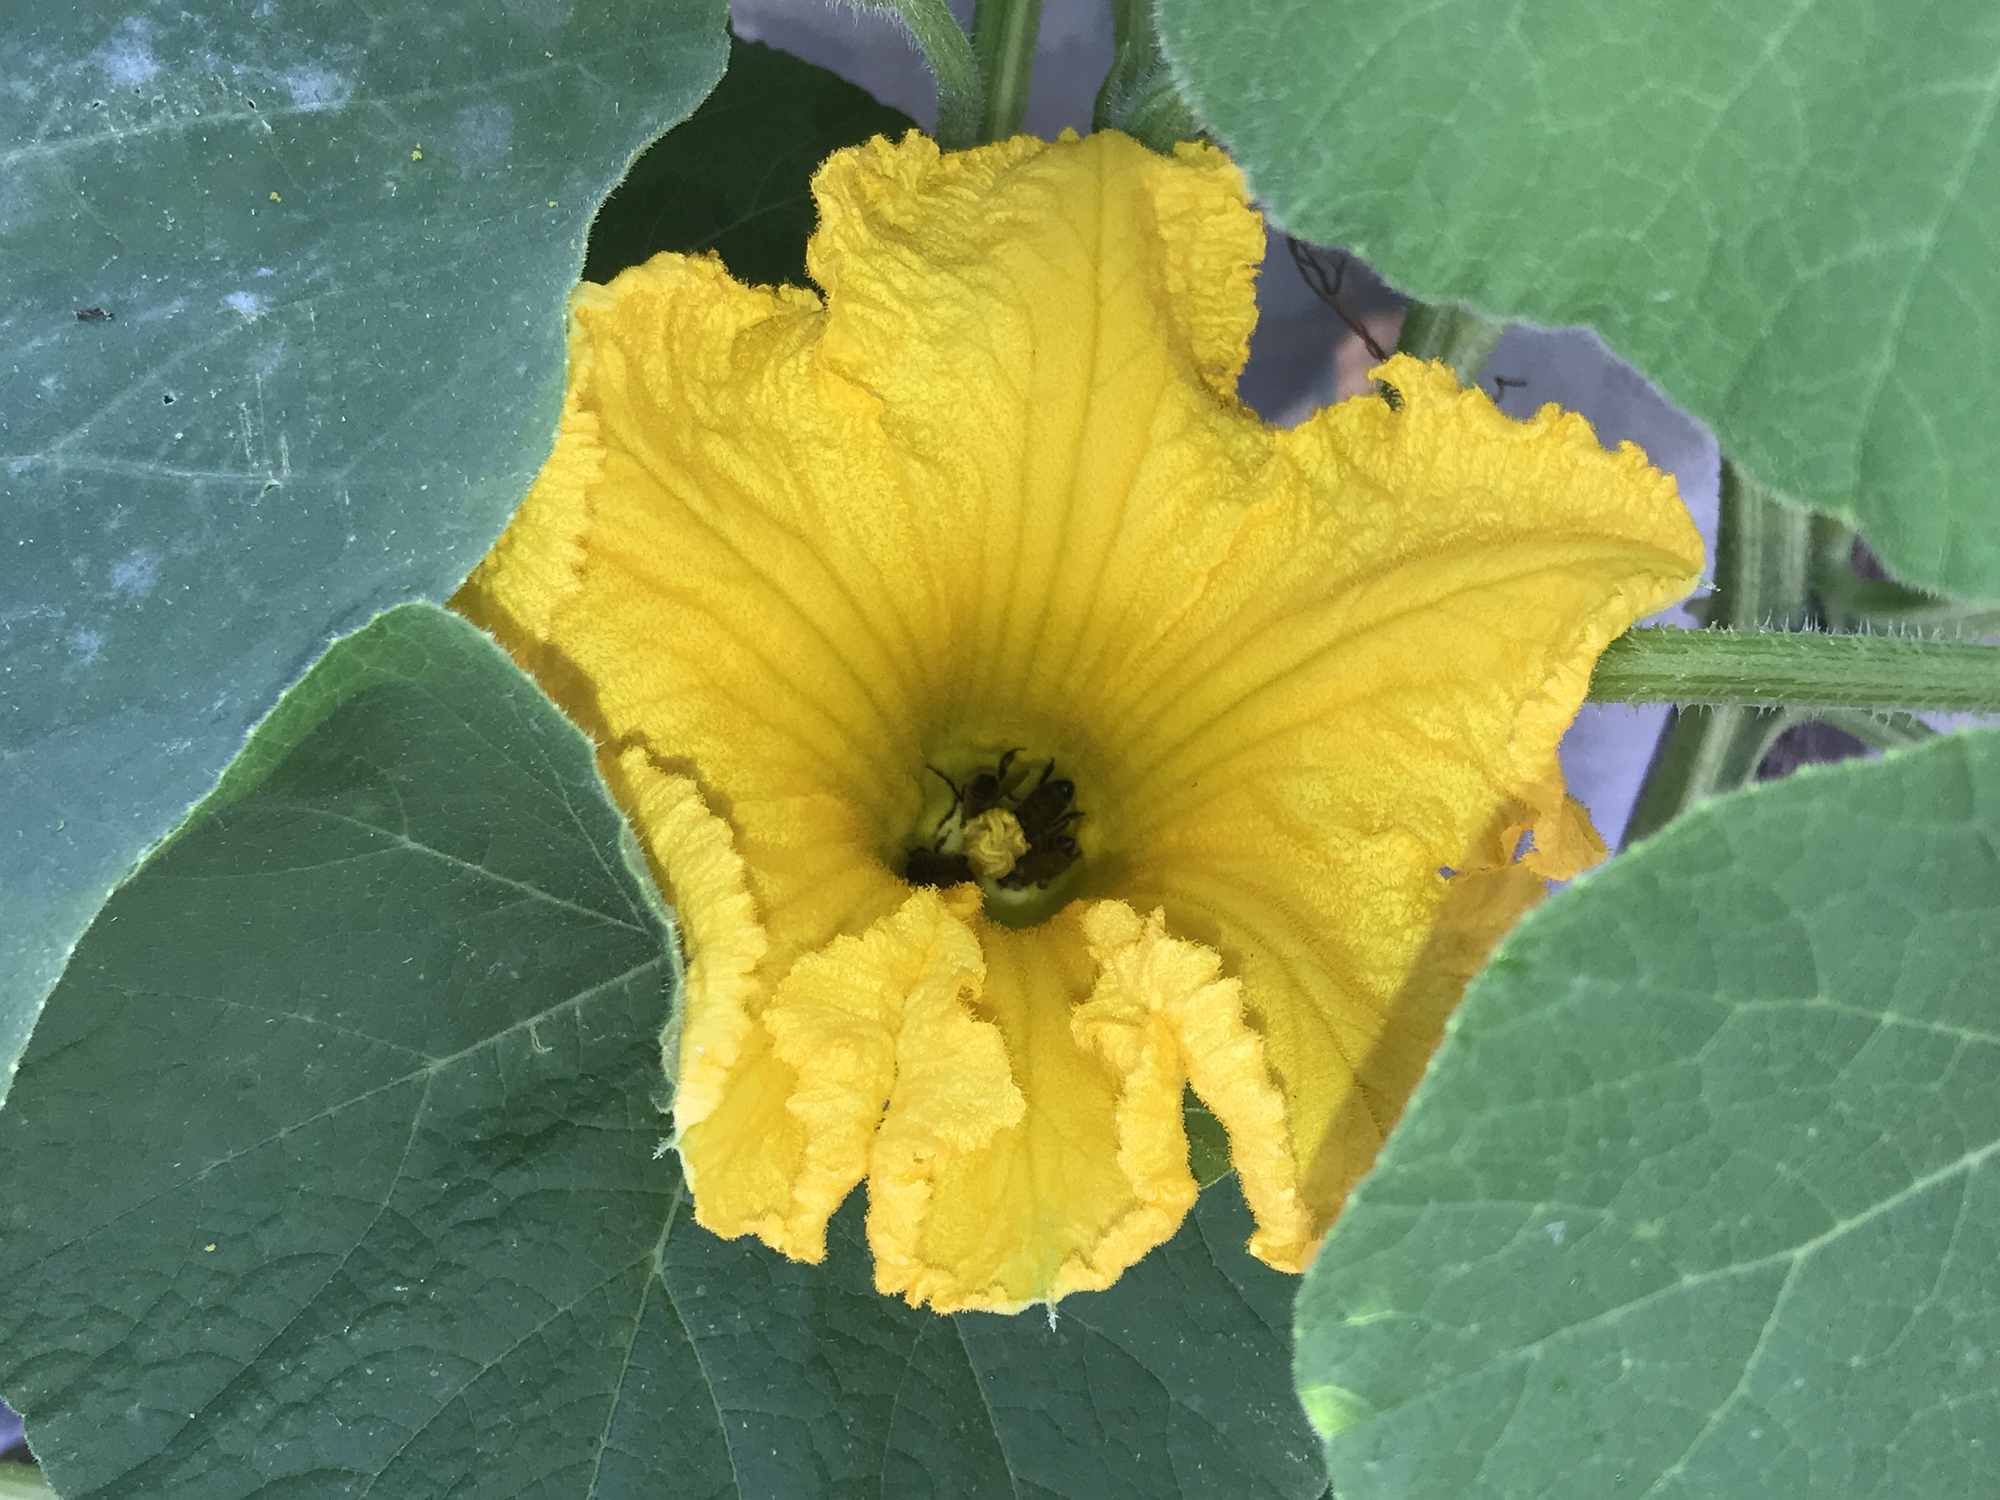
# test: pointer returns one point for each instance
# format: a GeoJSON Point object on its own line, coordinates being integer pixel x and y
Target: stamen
{"type": "Point", "coordinates": [994, 842]}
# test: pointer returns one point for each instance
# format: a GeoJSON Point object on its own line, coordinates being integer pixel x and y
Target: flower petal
{"type": "Point", "coordinates": [884, 1021]}
{"type": "Point", "coordinates": [725, 619]}
{"type": "Point", "coordinates": [538, 561]}
{"type": "Point", "coordinates": [1372, 690]}
{"type": "Point", "coordinates": [695, 863]}
{"type": "Point", "coordinates": [808, 565]}
{"type": "Point", "coordinates": [996, 491]}
{"type": "Point", "coordinates": [1051, 334]}
{"type": "Point", "coordinates": [740, 1151]}
{"type": "Point", "coordinates": [706, 574]}
{"type": "Point", "coordinates": [1061, 1201]}
{"type": "Point", "coordinates": [1161, 1016]}
{"type": "Point", "coordinates": [1037, 233]}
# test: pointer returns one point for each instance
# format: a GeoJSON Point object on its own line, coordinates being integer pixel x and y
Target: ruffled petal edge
{"type": "Point", "coordinates": [694, 859]}
{"type": "Point", "coordinates": [1163, 1016]}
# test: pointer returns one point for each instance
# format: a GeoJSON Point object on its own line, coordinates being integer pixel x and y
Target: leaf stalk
{"type": "Point", "coordinates": [949, 54]}
{"type": "Point", "coordinates": [1004, 33]}
{"type": "Point", "coordinates": [1139, 95]}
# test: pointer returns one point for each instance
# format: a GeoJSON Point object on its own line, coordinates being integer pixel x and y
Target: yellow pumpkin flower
{"type": "Point", "coordinates": [1026, 734]}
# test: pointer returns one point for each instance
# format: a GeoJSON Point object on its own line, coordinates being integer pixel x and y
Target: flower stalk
{"type": "Point", "coordinates": [26, 1484]}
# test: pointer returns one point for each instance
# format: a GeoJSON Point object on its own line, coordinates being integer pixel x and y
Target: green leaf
{"type": "Point", "coordinates": [283, 311]}
{"type": "Point", "coordinates": [735, 178]}
{"type": "Point", "coordinates": [23, 1482]}
{"type": "Point", "coordinates": [1699, 1196]}
{"type": "Point", "coordinates": [1208, 1142]}
{"type": "Point", "coordinates": [331, 1168]}
{"type": "Point", "coordinates": [1783, 213]}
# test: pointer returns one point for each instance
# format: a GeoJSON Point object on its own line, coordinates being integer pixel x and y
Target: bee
{"type": "Point", "coordinates": [1042, 863]}
{"type": "Point", "coordinates": [986, 789]}
{"type": "Point", "coordinates": [1046, 813]}
{"type": "Point", "coordinates": [1045, 810]}
{"type": "Point", "coordinates": [935, 867]}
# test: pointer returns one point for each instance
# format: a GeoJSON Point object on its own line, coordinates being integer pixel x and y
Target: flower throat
{"type": "Point", "coordinates": [1010, 829]}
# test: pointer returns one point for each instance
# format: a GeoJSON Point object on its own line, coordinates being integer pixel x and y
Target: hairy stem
{"type": "Point", "coordinates": [1003, 36]}
{"type": "Point", "coordinates": [948, 53]}
{"type": "Point", "coordinates": [1139, 95]}
{"type": "Point", "coordinates": [1762, 576]}
{"type": "Point", "coordinates": [1803, 670]}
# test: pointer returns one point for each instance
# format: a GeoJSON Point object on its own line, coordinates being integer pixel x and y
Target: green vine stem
{"type": "Point", "coordinates": [1703, 753]}
{"type": "Point", "coordinates": [1807, 670]}
{"type": "Point", "coordinates": [1003, 36]}
{"type": "Point", "coordinates": [1763, 561]}
{"type": "Point", "coordinates": [1156, 115]}
{"type": "Point", "coordinates": [948, 53]}
{"type": "Point", "coordinates": [1139, 95]}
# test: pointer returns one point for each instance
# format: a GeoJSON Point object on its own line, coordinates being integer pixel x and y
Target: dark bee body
{"type": "Point", "coordinates": [1042, 863]}
{"type": "Point", "coordinates": [1045, 814]}
{"type": "Point", "coordinates": [935, 867]}
{"type": "Point", "coordinates": [986, 790]}
{"type": "Point", "coordinates": [1046, 810]}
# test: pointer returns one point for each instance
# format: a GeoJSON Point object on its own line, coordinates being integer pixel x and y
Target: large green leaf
{"type": "Point", "coordinates": [332, 1169]}
{"type": "Point", "coordinates": [283, 319]}
{"type": "Point", "coordinates": [1701, 1194]}
{"type": "Point", "coordinates": [1785, 213]}
{"type": "Point", "coordinates": [735, 178]}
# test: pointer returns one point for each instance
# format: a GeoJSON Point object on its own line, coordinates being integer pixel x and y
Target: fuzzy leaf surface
{"type": "Point", "coordinates": [1783, 213]}
{"type": "Point", "coordinates": [332, 1170]}
{"type": "Point", "coordinates": [1700, 1195]}
{"type": "Point", "coordinates": [284, 302]}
